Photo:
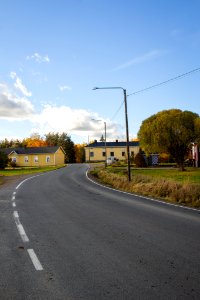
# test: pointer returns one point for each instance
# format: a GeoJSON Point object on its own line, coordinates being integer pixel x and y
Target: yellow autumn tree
{"type": "Point", "coordinates": [80, 153]}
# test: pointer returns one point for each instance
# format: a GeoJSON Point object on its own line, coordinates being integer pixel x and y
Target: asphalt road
{"type": "Point", "coordinates": [64, 237]}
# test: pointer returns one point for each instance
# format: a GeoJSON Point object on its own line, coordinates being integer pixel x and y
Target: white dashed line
{"type": "Point", "coordinates": [35, 260]}
{"type": "Point", "coordinates": [20, 227]}
{"type": "Point", "coordinates": [13, 204]}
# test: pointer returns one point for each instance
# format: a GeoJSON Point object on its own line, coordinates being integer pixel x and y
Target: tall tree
{"type": "Point", "coordinates": [3, 160]}
{"type": "Point", "coordinates": [35, 140]}
{"type": "Point", "coordinates": [57, 139]}
{"type": "Point", "coordinates": [80, 153]}
{"type": "Point", "coordinates": [170, 131]}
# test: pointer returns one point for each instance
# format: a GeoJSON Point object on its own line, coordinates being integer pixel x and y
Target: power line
{"type": "Point", "coordinates": [115, 114]}
{"type": "Point", "coordinates": [165, 82]}
{"type": "Point", "coordinates": [156, 85]}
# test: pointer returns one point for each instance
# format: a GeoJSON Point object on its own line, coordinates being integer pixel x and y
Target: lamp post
{"type": "Point", "coordinates": [126, 121]}
{"type": "Point", "coordinates": [104, 139]}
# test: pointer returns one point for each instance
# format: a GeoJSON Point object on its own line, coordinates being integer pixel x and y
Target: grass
{"type": "Point", "coordinates": [191, 175]}
{"type": "Point", "coordinates": [167, 184]}
{"type": "Point", "coordinates": [24, 171]}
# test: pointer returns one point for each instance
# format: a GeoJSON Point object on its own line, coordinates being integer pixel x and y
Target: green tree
{"type": "Point", "coordinates": [63, 140]}
{"type": "Point", "coordinates": [3, 160]}
{"type": "Point", "coordinates": [170, 131]}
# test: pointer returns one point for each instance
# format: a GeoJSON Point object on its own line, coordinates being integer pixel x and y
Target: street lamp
{"type": "Point", "coordinates": [126, 120]}
{"type": "Point", "coordinates": [104, 140]}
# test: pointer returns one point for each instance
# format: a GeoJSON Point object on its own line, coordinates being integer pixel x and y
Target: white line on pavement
{"type": "Point", "coordinates": [28, 179]}
{"type": "Point", "coordinates": [140, 196]}
{"type": "Point", "coordinates": [13, 204]}
{"type": "Point", "coordinates": [35, 260]}
{"type": "Point", "coordinates": [20, 227]}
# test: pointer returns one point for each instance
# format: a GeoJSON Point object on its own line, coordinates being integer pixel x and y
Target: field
{"type": "Point", "coordinates": [168, 184]}
{"type": "Point", "coordinates": [190, 175]}
{"type": "Point", "coordinates": [23, 171]}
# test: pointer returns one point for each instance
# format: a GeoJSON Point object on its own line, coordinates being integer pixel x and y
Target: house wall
{"type": "Point", "coordinates": [98, 152]}
{"type": "Point", "coordinates": [59, 157]}
{"type": "Point", "coordinates": [53, 159]}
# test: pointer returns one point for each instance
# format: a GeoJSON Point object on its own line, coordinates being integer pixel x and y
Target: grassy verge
{"type": "Point", "coordinates": [24, 171]}
{"type": "Point", "coordinates": [166, 184]}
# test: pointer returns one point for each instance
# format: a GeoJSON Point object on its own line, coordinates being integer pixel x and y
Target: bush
{"type": "Point", "coordinates": [140, 160]}
{"type": "Point", "coordinates": [13, 164]}
{"type": "Point", "coordinates": [3, 160]}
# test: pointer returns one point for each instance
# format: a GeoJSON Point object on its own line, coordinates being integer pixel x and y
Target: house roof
{"type": "Point", "coordinates": [96, 144]}
{"type": "Point", "coordinates": [31, 150]}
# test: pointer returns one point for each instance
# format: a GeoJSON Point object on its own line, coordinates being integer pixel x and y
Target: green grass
{"type": "Point", "coordinates": [172, 185]}
{"type": "Point", "coordinates": [25, 171]}
{"type": "Point", "coordinates": [190, 175]}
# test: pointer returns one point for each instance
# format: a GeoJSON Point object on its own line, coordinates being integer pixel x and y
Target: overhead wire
{"type": "Point", "coordinates": [165, 82]}
{"type": "Point", "coordinates": [156, 85]}
{"type": "Point", "coordinates": [115, 114]}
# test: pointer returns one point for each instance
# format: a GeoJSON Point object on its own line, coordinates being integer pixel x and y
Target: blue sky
{"type": "Point", "coordinates": [54, 52]}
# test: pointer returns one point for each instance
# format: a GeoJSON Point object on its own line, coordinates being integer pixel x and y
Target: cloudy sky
{"type": "Point", "coordinates": [54, 52]}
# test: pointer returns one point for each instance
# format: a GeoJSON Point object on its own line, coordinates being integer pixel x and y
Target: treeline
{"type": "Point", "coordinates": [74, 153]}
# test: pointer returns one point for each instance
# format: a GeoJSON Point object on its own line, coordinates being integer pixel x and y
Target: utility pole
{"type": "Point", "coordinates": [127, 136]}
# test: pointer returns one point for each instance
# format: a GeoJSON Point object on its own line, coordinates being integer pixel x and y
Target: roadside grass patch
{"type": "Point", "coordinates": [167, 185]}
{"type": "Point", "coordinates": [24, 171]}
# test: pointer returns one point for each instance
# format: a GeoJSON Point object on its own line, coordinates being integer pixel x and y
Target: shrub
{"type": "Point", "coordinates": [3, 160]}
{"type": "Point", "coordinates": [140, 160]}
{"type": "Point", "coordinates": [13, 164]}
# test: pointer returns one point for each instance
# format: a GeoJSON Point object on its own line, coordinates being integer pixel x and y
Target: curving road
{"type": "Point", "coordinates": [64, 237]}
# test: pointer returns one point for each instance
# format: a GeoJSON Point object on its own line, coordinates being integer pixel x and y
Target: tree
{"type": "Point", "coordinates": [57, 139]}
{"type": "Point", "coordinates": [35, 140]}
{"type": "Point", "coordinates": [80, 153]}
{"type": "Point", "coordinates": [170, 131]}
{"type": "Point", "coordinates": [3, 160]}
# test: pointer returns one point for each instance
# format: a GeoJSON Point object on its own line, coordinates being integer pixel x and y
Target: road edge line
{"type": "Point", "coordinates": [140, 196]}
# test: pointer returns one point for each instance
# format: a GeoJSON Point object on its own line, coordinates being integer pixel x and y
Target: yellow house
{"type": "Point", "coordinates": [36, 156]}
{"type": "Point", "coordinates": [97, 151]}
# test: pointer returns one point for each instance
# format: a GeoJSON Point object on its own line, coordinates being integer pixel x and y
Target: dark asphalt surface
{"type": "Point", "coordinates": [95, 243]}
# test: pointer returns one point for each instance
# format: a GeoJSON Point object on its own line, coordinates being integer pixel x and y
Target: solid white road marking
{"type": "Point", "coordinates": [35, 260]}
{"type": "Point", "coordinates": [27, 179]}
{"type": "Point", "coordinates": [20, 227]}
{"type": "Point", "coordinates": [140, 196]}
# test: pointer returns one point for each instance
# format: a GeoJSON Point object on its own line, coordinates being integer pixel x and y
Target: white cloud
{"type": "Point", "coordinates": [19, 85]}
{"type": "Point", "coordinates": [73, 121]}
{"type": "Point", "coordinates": [140, 59]}
{"type": "Point", "coordinates": [13, 107]}
{"type": "Point", "coordinates": [38, 58]}
{"type": "Point", "coordinates": [64, 87]}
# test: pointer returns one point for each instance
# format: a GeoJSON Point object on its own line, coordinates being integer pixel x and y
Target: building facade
{"type": "Point", "coordinates": [97, 151]}
{"type": "Point", "coordinates": [36, 156]}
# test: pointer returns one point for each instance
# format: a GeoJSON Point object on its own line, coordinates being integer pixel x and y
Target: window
{"type": "Point", "coordinates": [112, 154]}
{"type": "Point", "coordinates": [26, 159]}
{"type": "Point", "coordinates": [14, 159]}
{"type": "Point", "coordinates": [91, 154]}
{"type": "Point", "coordinates": [36, 160]}
{"type": "Point", "coordinates": [132, 153]}
{"type": "Point", "coordinates": [104, 153]}
{"type": "Point", "coordinates": [123, 153]}
{"type": "Point", "coordinates": [47, 159]}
